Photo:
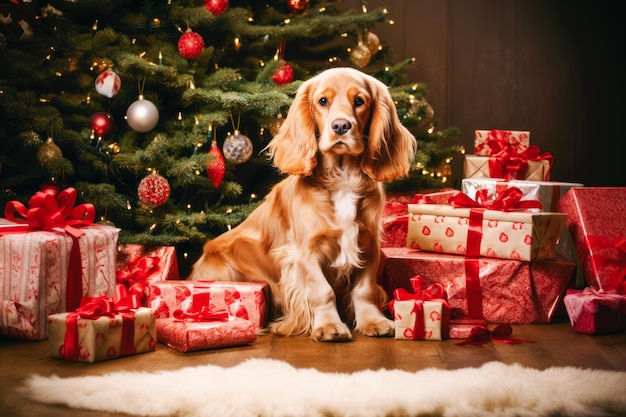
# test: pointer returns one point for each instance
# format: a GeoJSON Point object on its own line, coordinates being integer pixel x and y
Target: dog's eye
{"type": "Point", "coordinates": [358, 101]}
{"type": "Point", "coordinates": [323, 101]}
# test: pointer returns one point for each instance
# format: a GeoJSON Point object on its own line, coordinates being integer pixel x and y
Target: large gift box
{"type": "Point", "coordinates": [475, 231]}
{"type": "Point", "coordinates": [596, 312]}
{"type": "Point", "coordinates": [245, 300]}
{"type": "Point", "coordinates": [101, 329]}
{"type": "Point", "coordinates": [597, 224]}
{"type": "Point", "coordinates": [518, 139]}
{"type": "Point", "coordinates": [423, 314]}
{"type": "Point", "coordinates": [50, 261]}
{"type": "Point", "coordinates": [188, 335]}
{"type": "Point", "coordinates": [497, 290]}
{"type": "Point", "coordinates": [396, 213]}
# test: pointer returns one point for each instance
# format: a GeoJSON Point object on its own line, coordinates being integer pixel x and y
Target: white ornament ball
{"type": "Point", "coordinates": [108, 83]}
{"type": "Point", "coordinates": [142, 115]}
{"type": "Point", "coordinates": [237, 148]}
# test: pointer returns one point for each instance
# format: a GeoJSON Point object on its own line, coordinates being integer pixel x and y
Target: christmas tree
{"type": "Point", "coordinates": [158, 112]}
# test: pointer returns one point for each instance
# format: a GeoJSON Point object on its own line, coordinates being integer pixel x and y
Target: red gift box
{"type": "Point", "coordinates": [245, 300]}
{"type": "Point", "coordinates": [597, 225]}
{"type": "Point", "coordinates": [497, 290]}
{"type": "Point", "coordinates": [395, 214]}
{"type": "Point", "coordinates": [594, 312]}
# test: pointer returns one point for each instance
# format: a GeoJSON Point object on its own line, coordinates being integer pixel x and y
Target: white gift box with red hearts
{"type": "Point", "coordinates": [519, 235]}
{"type": "Point", "coordinates": [406, 315]}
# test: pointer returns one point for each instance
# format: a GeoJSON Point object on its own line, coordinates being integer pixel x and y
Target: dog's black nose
{"type": "Point", "coordinates": [341, 126]}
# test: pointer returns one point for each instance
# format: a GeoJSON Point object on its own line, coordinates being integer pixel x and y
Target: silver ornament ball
{"type": "Point", "coordinates": [142, 115]}
{"type": "Point", "coordinates": [237, 148]}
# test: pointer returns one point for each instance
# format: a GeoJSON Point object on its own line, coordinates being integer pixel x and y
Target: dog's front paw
{"type": "Point", "coordinates": [382, 327]}
{"type": "Point", "coordinates": [332, 332]}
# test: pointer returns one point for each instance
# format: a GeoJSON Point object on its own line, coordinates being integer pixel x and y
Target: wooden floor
{"type": "Point", "coordinates": [554, 345]}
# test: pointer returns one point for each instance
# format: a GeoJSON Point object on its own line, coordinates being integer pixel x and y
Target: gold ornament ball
{"type": "Point", "coordinates": [372, 42]}
{"type": "Point", "coordinates": [30, 138]}
{"type": "Point", "coordinates": [48, 152]}
{"type": "Point", "coordinates": [276, 124]}
{"type": "Point", "coordinates": [360, 55]}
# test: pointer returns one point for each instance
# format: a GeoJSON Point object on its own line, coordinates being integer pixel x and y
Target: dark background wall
{"type": "Point", "coordinates": [552, 67]}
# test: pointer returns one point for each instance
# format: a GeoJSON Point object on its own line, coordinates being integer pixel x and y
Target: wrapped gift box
{"type": "Point", "coordinates": [75, 338]}
{"type": "Point", "coordinates": [518, 139]}
{"type": "Point", "coordinates": [395, 215]}
{"type": "Point", "coordinates": [477, 166]}
{"type": "Point", "coordinates": [497, 290]}
{"type": "Point", "coordinates": [516, 235]}
{"type": "Point", "coordinates": [597, 225]}
{"type": "Point", "coordinates": [594, 312]}
{"type": "Point", "coordinates": [245, 300]}
{"type": "Point", "coordinates": [188, 335]}
{"type": "Point", "coordinates": [34, 270]}
{"type": "Point", "coordinates": [158, 263]}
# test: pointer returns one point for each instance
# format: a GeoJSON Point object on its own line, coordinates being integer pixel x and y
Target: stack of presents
{"type": "Point", "coordinates": [512, 247]}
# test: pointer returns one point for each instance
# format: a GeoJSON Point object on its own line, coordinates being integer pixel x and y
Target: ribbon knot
{"type": "Point", "coordinates": [505, 162]}
{"type": "Point", "coordinates": [434, 292]}
{"type": "Point", "coordinates": [135, 276]}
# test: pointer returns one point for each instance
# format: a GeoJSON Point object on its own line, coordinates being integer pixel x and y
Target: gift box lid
{"type": "Point", "coordinates": [508, 216]}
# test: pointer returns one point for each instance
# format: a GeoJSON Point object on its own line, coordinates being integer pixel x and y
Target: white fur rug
{"type": "Point", "coordinates": [264, 387]}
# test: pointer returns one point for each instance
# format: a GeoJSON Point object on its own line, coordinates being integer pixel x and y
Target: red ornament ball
{"type": "Point", "coordinates": [216, 7]}
{"type": "Point", "coordinates": [154, 190]}
{"type": "Point", "coordinates": [298, 6]}
{"type": "Point", "coordinates": [284, 74]}
{"type": "Point", "coordinates": [216, 170]}
{"type": "Point", "coordinates": [190, 44]}
{"type": "Point", "coordinates": [102, 124]}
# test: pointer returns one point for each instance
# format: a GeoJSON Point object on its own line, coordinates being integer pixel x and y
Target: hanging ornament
{"type": "Point", "coordinates": [31, 138]}
{"type": "Point", "coordinates": [190, 44]}
{"type": "Point", "coordinates": [48, 152]}
{"type": "Point", "coordinates": [142, 115]}
{"type": "Point", "coordinates": [217, 168]}
{"type": "Point", "coordinates": [298, 6]}
{"type": "Point", "coordinates": [216, 7]}
{"type": "Point", "coordinates": [108, 83]}
{"type": "Point", "coordinates": [276, 124]}
{"type": "Point", "coordinates": [154, 190]}
{"type": "Point", "coordinates": [102, 124]}
{"type": "Point", "coordinates": [372, 42]}
{"type": "Point", "coordinates": [237, 148]}
{"type": "Point", "coordinates": [360, 55]}
{"type": "Point", "coordinates": [283, 75]}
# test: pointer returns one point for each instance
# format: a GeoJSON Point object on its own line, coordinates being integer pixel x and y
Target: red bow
{"type": "Point", "coordinates": [509, 200]}
{"type": "Point", "coordinates": [481, 335]}
{"type": "Point", "coordinates": [431, 293]}
{"type": "Point", "coordinates": [505, 162]}
{"type": "Point", "coordinates": [135, 277]}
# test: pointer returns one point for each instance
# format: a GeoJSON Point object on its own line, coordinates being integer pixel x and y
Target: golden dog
{"type": "Point", "coordinates": [316, 237]}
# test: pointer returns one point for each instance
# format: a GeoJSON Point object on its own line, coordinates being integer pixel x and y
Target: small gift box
{"type": "Point", "coordinates": [102, 329]}
{"type": "Point", "coordinates": [476, 166]}
{"type": "Point", "coordinates": [421, 315]}
{"type": "Point", "coordinates": [597, 225]}
{"type": "Point", "coordinates": [51, 255]}
{"type": "Point", "coordinates": [245, 300]}
{"type": "Point", "coordinates": [484, 140]}
{"type": "Point", "coordinates": [395, 215]}
{"type": "Point", "coordinates": [484, 228]}
{"type": "Point", "coordinates": [497, 290]}
{"type": "Point", "coordinates": [205, 329]}
{"type": "Point", "coordinates": [596, 312]}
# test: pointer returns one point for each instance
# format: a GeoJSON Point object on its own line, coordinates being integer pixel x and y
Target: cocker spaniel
{"type": "Point", "coordinates": [315, 238]}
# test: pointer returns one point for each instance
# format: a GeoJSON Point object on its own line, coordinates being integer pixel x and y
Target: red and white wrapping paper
{"type": "Point", "coordinates": [34, 270]}
{"type": "Point", "coordinates": [518, 139]}
{"type": "Point", "coordinates": [101, 329]}
{"type": "Point", "coordinates": [476, 231]}
{"type": "Point", "coordinates": [597, 224]}
{"type": "Point", "coordinates": [596, 312]}
{"type": "Point", "coordinates": [245, 300]}
{"type": "Point", "coordinates": [189, 335]}
{"type": "Point", "coordinates": [496, 290]}
{"type": "Point", "coordinates": [423, 314]}
{"type": "Point", "coordinates": [395, 215]}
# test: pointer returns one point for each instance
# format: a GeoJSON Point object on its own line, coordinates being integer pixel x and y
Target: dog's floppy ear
{"type": "Point", "coordinates": [294, 148]}
{"type": "Point", "coordinates": [390, 147]}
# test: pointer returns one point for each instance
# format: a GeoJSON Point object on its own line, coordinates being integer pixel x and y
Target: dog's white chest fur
{"type": "Point", "coordinates": [346, 201]}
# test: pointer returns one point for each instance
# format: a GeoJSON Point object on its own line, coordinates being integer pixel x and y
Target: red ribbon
{"type": "Point", "coordinates": [92, 308]}
{"type": "Point", "coordinates": [505, 162]}
{"type": "Point", "coordinates": [51, 210]}
{"type": "Point", "coordinates": [509, 200]}
{"type": "Point", "coordinates": [434, 292]}
{"type": "Point", "coordinates": [481, 335]}
{"type": "Point", "coordinates": [201, 314]}
{"type": "Point", "coordinates": [135, 276]}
